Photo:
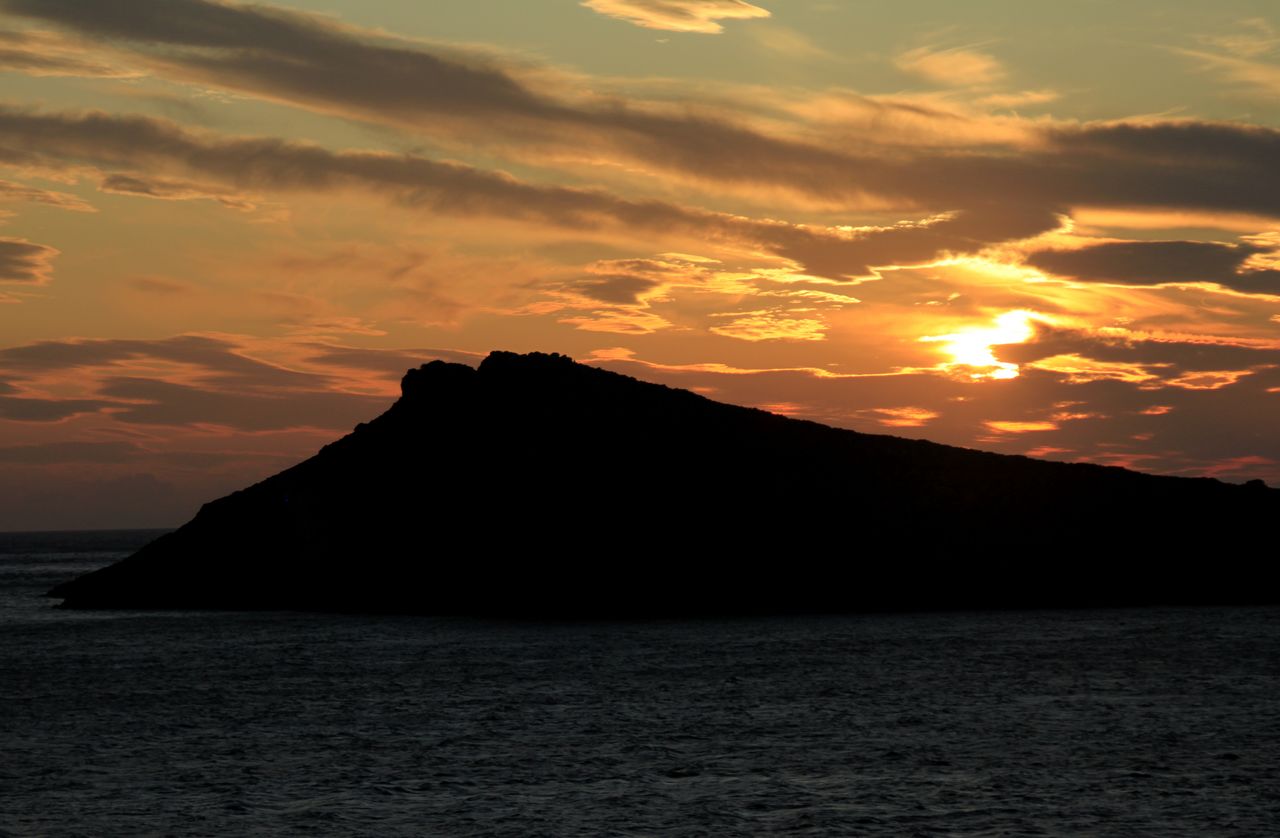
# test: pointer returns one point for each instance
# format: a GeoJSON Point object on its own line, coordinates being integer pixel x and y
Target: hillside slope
{"type": "Point", "coordinates": [537, 486]}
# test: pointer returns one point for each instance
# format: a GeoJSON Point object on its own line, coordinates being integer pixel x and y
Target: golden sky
{"type": "Point", "coordinates": [226, 229]}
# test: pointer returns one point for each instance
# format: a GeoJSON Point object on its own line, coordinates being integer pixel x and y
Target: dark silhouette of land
{"type": "Point", "coordinates": [535, 486]}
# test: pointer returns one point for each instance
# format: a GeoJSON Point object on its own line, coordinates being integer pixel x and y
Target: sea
{"type": "Point", "coordinates": [1139, 722]}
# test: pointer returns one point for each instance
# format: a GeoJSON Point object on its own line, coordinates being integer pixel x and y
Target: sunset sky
{"type": "Point", "coordinates": [226, 229]}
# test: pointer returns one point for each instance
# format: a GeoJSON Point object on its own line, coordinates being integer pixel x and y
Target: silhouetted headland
{"type": "Point", "coordinates": [536, 486]}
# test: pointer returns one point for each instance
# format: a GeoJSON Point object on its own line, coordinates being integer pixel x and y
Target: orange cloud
{"type": "Point", "coordinates": [1078, 369]}
{"type": "Point", "coordinates": [36, 53]}
{"type": "Point", "coordinates": [771, 325]}
{"type": "Point", "coordinates": [619, 321]}
{"type": "Point", "coordinates": [1208, 379]}
{"type": "Point", "coordinates": [1017, 427]}
{"type": "Point", "coordinates": [1048, 451]}
{"type": "Point", "coordinates": [702, 16]}
{"type": "Point", "coordinates": [1140, 218]}
{"type": "Point", "coordinates": [208, 381]}
{"type": "Point", "coordinates": [905, 417]}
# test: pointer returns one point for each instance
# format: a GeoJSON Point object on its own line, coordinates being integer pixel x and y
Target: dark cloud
{"type": "Point", "coordinates": [172, 190]}
{"type": "Point", "coordinates": [863, 250]}
{"type": "Point", "coordinates": [1188, 165]}
{"type": "Point", "coordinates": [317, 63]}
{"type": "Point", "coordinates": [197, 23]}
{"type": "Point", "coordinates": [278, 164]}
{"type": "Point", "coordinates": [24, 261]}
{"type": "Point", "coordinates": [1157, 262]}
{"type": "Point", "coordinates": [220, 359]}
{"type": "Point", "coordinates": [225, 387]}
{"type": "Point", "coordinates": [1223, 146]}
{"type": "Point", "coordinates": [45, 54]}
{"type": "Point", "coordinates": [1172, 357]}
{"type": "Point", "coordinates": [455, 189]}
{"type": "Point", "coordinates": [621, 289]}
{"type": "Point", "coordinates": [301, 56]}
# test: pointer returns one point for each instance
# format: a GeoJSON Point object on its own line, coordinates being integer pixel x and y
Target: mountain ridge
{"type": "Point", "coordinates": [534, 485]}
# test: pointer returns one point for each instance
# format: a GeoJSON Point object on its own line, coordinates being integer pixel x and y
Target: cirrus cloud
{"type": "Point", "coordinates": [701, 16]}
{"type": "Point", "coordinates": [955, 67]}
{"type": "Point", "coordinates": [36, 53]}
{"type": "Point", "coordinates": [10, 191]}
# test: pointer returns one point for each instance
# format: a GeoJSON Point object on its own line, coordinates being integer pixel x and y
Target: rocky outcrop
{"type": "Point", "coordinates": [535, 486]}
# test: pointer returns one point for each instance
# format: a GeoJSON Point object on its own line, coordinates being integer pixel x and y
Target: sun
{"type": "Point", "coordinates": [972, 349]}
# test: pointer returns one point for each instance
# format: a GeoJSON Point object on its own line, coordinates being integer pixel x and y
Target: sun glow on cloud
{"type": "Point", "coordinates": [972, 350]}
{"type": "Point", "coordinates": [905, 417]}
{"type": "Point", "coordinates": [1020, 427]}
{"type": "Point", "coordinates": [227, 227]}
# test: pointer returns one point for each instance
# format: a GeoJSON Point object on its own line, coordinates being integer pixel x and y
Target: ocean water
{"type": "Point", "coordinates": [1157, 722]}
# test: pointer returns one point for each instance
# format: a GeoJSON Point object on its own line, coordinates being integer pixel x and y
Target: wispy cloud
{"type": "Point", "coordinates": [954, 67]}
{"type": "Point", "coordinates": [10, 191]}
{"type": "Point", "coordinates": [421, 183]}
{"type": "Point", "coordinates": [788, 42]}
{"type": "Point", "coordinates": [184, 380]}
{"type": "Point", "coordinates": [25, 262]}
{"type": "Point", "coordinates": [173, 190]}
{"type": "Point", "coordinates": [37, 53]}
{"type": "Point", "coordinates": [702, 16]}
{"type": "Point", "coordinates": [1252, 38]}
{"type": "Point", "coordinates": [777, 324]}
{"type": "Point", "coordinates": [1243, 56]}
{"type": "Point", "coordinates": [1252, 75]}
{"type": "Point", "coordinates": [1020, 99]}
